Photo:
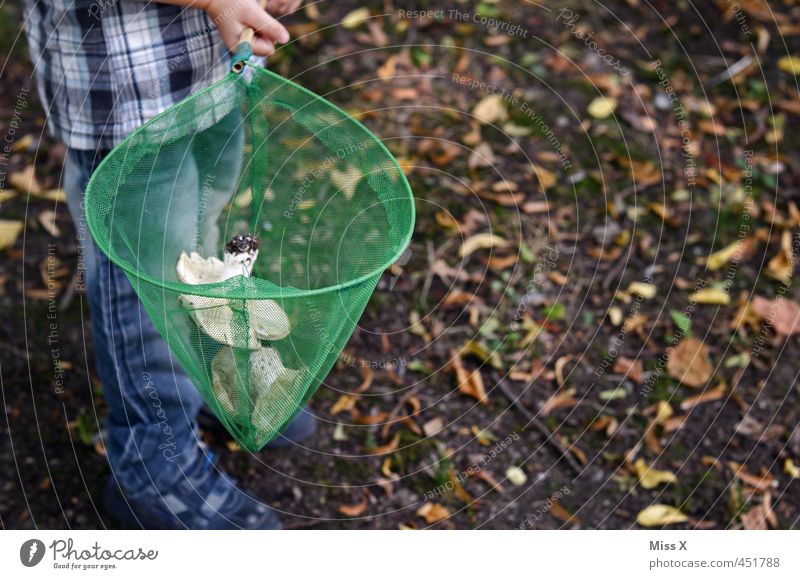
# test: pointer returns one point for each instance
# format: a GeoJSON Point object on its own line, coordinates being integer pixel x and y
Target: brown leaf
{"type": "Point", "coordinates": [707, 396]}
{"type": "Point", "coordinates": [690, 364]}
{"type": "Point", "coordinates": [469, 383]}
{"type": "Point", "coordinates": [433, 512]}
{"type": "Point", "coordinates": [563, 514]}
{"type": "Point", "coordinates": [633, 369]}
{"type": "Point", "coordinates": [781, 313]}
{"type": "Point", "coordinates": [354, 510]}
{"type": "Point", "coordinates": [386, 448]}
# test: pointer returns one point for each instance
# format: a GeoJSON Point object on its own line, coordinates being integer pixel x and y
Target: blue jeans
{"type": "Point", "coordinates": [152, 437]}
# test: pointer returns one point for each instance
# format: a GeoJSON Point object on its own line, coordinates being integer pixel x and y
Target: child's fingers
{"type": "Point", "coordinates": [266, 26]}
{"type": "Point", "coordinates": [262, 47]}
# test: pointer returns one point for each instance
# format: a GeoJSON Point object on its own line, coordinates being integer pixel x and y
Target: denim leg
{"type": "Point", "coordinates": [151, 425]}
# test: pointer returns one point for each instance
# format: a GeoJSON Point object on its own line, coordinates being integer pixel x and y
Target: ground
{"type": "Point", "coordinates": [586, 183]}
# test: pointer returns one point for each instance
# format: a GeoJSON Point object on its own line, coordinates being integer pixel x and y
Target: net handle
{"type": "Point", "coordinates": [243, 51]}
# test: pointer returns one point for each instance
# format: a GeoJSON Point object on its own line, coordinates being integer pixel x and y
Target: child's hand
{"type": "Point", "coordinates": [232, 17]}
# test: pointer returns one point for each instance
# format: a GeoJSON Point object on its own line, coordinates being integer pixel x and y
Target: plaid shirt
{"type": "Point", "coordinates": [104, 67]}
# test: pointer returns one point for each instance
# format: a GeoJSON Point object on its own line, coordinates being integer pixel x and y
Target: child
{"type": "Point", "coordinates": [103, 68]}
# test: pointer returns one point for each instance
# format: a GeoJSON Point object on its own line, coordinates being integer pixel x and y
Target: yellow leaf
{"type": "Point", "coordinates": [355, 18]}
{"type": "Point", "coordinates": [491, 109]}
{"type": "Point", "coordinates": [659, 515]}
{"type": "Point", "coordinates": [481, 241]}
{"type": "Point", "coordinates": [781, 267]}
{"type": "Point", "coordinates": [516, 476]}
{"type": "Point", "coordinates": [602, 107]}
{"type": "Point", "coordinates": [790, 64]}
{"type": "Point", "coordinates": [643, 290]}
{"type": "Point", "coordinates": [711, 296]}
{"type": "Point", "coordinates": [719, 258]}
{"type": "Point", "coordinates": [790, 468]}
{"type": "Point", "coordinates": [650, 478]}
{"type": "Point", "coordinates": [9, 231]}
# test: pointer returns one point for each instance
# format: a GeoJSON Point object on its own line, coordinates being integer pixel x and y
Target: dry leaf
{"type": "Point", "coordinates": [47, 219]}
{"type": "Point", "coordinates": [354, 510]}
{"type": "Point", "coordinates": [516, 476]}
{"type": "Point", "coordinates": [387, 448]}
{"type": "Point", "coordinates": [343, 404]}
{"type": "Point", "coordinates": [711, 296]}
{"type": "Point", "coordinates": [481, 241]}
{"type": "Point", "coordinates": [634, 369]}
{"type": "Point", "coordinates": [650, 478]}
{"type": "Point", "coordinates": [563, 514]}
{"type": "Point", "coordinates": [645, 291]}
{"type": "Point", "coordinates": [707, 396]}
{"type": "Point", "coordinates": [790, 64]}
{"type": "Point", "coordinates": [720, 258]}
{"type": "Point", "coordinates": [9, 231]}
{"type": "Point", "coordinates": [660, 515]}
{"type": "Point", "coordinates": [481, 156]}
{"type": "Point", "coordinates": [782, 314]}
{"type": "Point", "coordinates": [433, 512]}
{"type": "Point", "coordinates": [602, 107]}
{"type": "Point", "coordinates": [490, 109]}
{"type": "Point", "coordinates": [690, 364]}
{"type": "Point", "coordinates": [25, 181]}
{"type": "Point", "coordinates": [355, 18]}
{"type": "Point", "coordinates": [781, 267]}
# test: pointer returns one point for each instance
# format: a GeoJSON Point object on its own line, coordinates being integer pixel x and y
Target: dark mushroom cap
{"type": "Point", "coordinates": [242, 244]}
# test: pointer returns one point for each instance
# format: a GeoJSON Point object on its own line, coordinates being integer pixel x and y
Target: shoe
{"type": "Point", "coordinates": [206, 499]}
{"type": "Point", "coordinates": [302, 426]}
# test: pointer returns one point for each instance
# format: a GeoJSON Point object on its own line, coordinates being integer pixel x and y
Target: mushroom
{"type": "Point", "coordinates": [219, 317]}
{"type": "Point", "coordinates": [268, 387]}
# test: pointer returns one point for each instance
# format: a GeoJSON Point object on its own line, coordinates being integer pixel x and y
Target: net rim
{"type": "Point", "coordinates": [241, 287]}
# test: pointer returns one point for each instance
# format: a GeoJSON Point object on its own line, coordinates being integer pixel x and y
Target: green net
{"type": "Point", "coordinates": [254, 220]}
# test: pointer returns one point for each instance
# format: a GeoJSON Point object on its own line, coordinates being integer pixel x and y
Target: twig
{"type": "Point", "coordinates": [550, 437]}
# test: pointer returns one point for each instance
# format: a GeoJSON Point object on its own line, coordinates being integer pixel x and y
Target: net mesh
{"type": "Point", "coordinates": [254, 154]}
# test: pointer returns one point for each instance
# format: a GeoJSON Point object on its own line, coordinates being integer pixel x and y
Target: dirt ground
{"type": "Point", "coordinates": [610, 153]}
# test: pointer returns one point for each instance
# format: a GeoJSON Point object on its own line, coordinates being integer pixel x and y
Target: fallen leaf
{"type": "Point", "coordinates": [707, 396]}
{"type": "Point", "coordinates": [47, 219]}
{"type": "Point", "coordinates": [781, 267]}
{"type": "Point", "coordinates": [690, 364]}
{"type": "Point", "coordinates": [645, 291]}
{"type": "Point", "coordinates": [25, 181]}
{"type": "Point", "coordinates": [563, 514]}
{"type": "Point", "coordinates": [720, 258]}
{"type": "Point", "coordinates": [387, 448]}
{"type": "Point", "coordinates": [355, 18]}
{"type": "Point", "coordinates": [386, 70]}
{"type": "Point", "coordinates": [602, 107]}
{"type": "Point", "coordinates": [490, 109]}
{"type": "Point", "coordinates": [790, 64]}
{"type": "Point", "coordinates": [481, 156]}
{"type": "Point", "coordinates": [353, 510]}
{"type": "Point", "coordinates": [634, 369]}
{"type": "Point", "coordinates": [711, 296]}
{"type": "Point", "coordinates": [481, 241]}
{"type": "Point", "coordinates": [650, 478]}
{"type": "Point", "coordinates": [790, 468]}
{"type": "Point", "coordinates": [343, 404]}
{"type": "Point", "coordinates": [433, 512]}
{"type": "Point", "coordinates": [9, 231]}
{"type": "Point", "coordinates": [516, 476]}
{"type": "Point", "coordinates": [660, 515]}
{"type": "Point", "coordinates": [781, 313]}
